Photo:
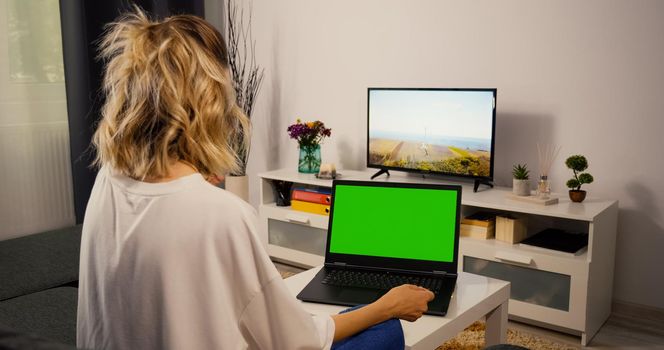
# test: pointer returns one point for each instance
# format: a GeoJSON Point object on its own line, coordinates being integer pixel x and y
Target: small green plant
{"type": "Point", "coordinates": [520, 172]}
{"type": "Point", "coordinates": [578, 163]}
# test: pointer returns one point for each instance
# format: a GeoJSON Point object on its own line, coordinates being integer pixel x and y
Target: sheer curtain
{"type": "Point", "coordinates": [35, 169]}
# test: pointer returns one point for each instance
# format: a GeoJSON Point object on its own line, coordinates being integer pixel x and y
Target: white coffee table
{"type": "Point", "coordinates": [475, 297]}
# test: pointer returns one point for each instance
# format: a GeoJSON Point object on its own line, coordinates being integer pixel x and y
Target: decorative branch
{"type": "Point", "coordinates": [547, 154]}
{"type": "Point", "coordinates": [247, 76]}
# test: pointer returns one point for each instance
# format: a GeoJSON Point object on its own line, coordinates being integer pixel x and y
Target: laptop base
{"type": "Point", "coordinates": [318, 292]}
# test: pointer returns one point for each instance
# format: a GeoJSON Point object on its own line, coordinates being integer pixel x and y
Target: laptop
{"type": "Point", "coordinates": [384, 234]}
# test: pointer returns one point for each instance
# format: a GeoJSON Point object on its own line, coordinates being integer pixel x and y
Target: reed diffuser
{"type": "Point", "coordinates": [547, 154]}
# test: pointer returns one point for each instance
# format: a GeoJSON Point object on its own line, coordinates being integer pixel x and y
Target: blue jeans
{"type": "Point", "coordinates": [387, 335]}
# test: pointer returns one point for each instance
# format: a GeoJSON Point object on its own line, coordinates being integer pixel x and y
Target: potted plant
{"type": "Point", "coordinates": [309, 135]}
{"type": "Point", "coordinates": [520, 183]}
{"type": "Point", "coordinates": [578, 163]}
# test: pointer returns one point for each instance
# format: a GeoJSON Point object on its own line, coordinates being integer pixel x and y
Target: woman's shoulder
{"type": "Point", "coordinates": [224, 219]}
{"type": "Point", "coordinates": [212, 206]}
{"type": "Point", "coordinates": [207, 194]}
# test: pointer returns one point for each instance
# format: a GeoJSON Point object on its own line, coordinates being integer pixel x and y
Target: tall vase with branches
{"type": "Point", "coordinates": [247, 76]}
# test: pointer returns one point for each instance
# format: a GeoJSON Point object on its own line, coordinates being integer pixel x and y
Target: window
{"type": "Point", "coordinates": [35, 170]}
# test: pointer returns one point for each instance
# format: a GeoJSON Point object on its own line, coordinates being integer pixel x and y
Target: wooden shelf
{"type": "Point", "coordinates": [497, 198]}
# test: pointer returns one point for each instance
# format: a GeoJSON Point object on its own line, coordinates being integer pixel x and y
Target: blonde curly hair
{"type": "Point", "coordinates": [169, 96]}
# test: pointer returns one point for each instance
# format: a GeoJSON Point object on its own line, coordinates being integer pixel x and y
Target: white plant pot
{"type": "Point", "coordinates": [238, 185]}
{"type": "Point", "coordinates": [521, 187]}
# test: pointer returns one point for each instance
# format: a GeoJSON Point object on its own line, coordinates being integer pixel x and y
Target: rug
{"type": "Point", "coordinates": [286, 274]}
{"type": "Point", "coordinates": [472, 338]}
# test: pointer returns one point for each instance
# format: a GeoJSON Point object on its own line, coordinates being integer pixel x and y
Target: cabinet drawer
{"type": "Point", "coordinates": [492, 250]}
{"type": "Point", "coordinates": [528, 285]}
{"type": "Point", "coordinates": [298, 237]}
{"type": "Point", "coordinates": [271, 211]}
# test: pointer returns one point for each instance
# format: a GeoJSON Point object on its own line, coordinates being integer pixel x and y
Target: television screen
{"type": "Point", "coordinates": [447, 131]}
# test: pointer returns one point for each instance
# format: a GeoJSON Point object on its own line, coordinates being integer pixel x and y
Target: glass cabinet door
{"type": "Point", "coordinates": [528, 285]}
{"type": "Point", "coordinates": [298, 237]}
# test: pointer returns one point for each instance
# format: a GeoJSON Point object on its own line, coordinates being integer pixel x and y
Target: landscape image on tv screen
{"type": "Point", "coordinates": [447, 131]}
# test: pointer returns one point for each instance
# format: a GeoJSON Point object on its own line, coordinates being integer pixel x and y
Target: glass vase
{"type": "Point", "coordinates": [309, 159]}
{"type": "Point", "coordinates": [543, 188]}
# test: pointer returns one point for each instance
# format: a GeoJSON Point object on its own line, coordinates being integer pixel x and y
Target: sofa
{"type": "Point", "coordinates": [39, 289]}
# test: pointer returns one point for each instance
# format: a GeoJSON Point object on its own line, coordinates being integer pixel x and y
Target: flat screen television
{"type": "Point", "coordinates": [441, 131]}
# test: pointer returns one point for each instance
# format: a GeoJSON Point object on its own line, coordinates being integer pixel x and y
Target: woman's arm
{"type": "Point", "coordinates": [407, 302]}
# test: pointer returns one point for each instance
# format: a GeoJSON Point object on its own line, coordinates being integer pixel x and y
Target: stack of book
{"type": "Point", "coordinates": [311, 200]}
{"type": "Point", "coordinates": [481, 225]}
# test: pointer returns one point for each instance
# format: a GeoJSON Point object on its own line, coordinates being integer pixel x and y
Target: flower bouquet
{"type": "Point", "coordinates": [309, 135]}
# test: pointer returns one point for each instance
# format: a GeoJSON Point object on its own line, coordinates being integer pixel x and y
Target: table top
{"type": "Point", "coordinates": [473, 298]}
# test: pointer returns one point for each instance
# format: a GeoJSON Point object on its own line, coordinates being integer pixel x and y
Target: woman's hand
{"type": "Point", "coordinates": [407, 302]}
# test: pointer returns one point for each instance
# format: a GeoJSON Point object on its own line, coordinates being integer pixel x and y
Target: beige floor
{"type": "Point", "coordinates": [627, 328]}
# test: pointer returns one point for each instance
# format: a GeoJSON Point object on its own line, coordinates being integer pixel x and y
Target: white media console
{"type": "Point", "coordinates": [565, 292]}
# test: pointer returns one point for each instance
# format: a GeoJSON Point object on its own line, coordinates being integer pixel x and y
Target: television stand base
{"type": "Point", "coordinates": [484, 182]}
{"type": "Point", "coordinates": [380, 172]}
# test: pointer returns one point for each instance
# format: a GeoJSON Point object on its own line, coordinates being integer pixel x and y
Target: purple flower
{"type": "Point", "coordinates": [309, 133]}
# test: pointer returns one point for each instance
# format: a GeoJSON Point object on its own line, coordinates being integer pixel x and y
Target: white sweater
{"type": "Point", "coordinates": [178, 265]}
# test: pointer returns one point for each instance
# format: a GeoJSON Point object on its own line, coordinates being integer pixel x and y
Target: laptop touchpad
{"type": "Point", "coordinates": [358, 295]}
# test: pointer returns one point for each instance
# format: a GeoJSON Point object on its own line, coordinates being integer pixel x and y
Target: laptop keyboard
{"type": "Point", "coordinates": [380, 281]}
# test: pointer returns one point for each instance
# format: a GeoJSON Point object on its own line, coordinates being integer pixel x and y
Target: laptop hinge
{"type": "Point", "coordinates": [443, 273]}
{"type": "Point", "coordinates": [336, 263]}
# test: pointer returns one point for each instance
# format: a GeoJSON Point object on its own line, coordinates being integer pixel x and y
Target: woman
{"type": "Point", "coordinates": [169, 261]}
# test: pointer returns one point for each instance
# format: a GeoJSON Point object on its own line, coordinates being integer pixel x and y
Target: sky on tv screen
{"type": "Point", "coordinates": [461, 118]}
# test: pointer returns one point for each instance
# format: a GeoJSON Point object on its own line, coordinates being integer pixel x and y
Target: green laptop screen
{"type": "Point", "coordinates": [393, 222]}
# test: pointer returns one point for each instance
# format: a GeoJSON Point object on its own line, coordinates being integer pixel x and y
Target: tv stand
{"type": "Point", "coordinates": [381, 172]}
{"type": "Point", "coordinates": [565, 292]}
{"type": "Point", "coordinates": [480, 181]}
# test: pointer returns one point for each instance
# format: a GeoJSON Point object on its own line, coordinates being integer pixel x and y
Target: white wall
{"type": "Point", "coordinates": [586, 75]}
